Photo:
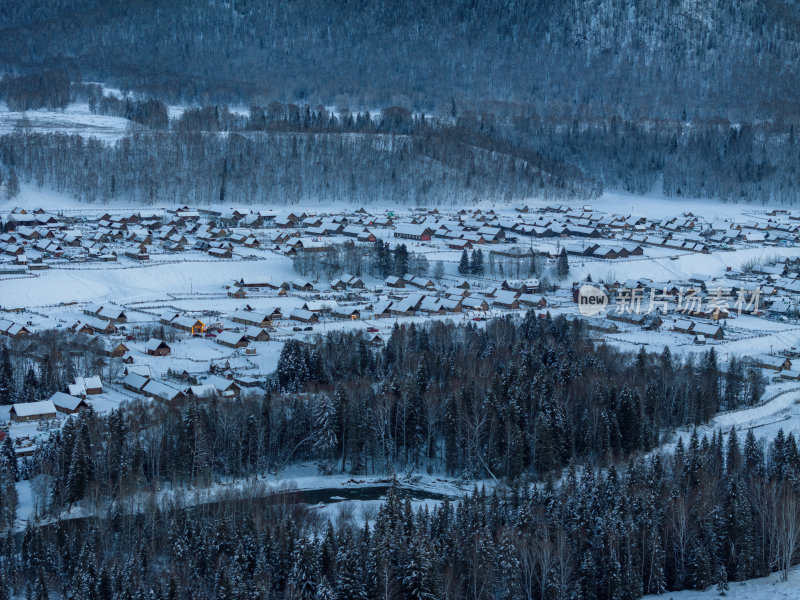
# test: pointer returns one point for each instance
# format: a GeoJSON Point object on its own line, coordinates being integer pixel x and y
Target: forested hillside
{"type": "Point", "coordinates": [715, 511]}
{"type": "Point", "coordinates": [424, 167]}
{"type": "Point", "coordinates": [702, 97]}
{"type": "Point", "coordinates": [577, 58]}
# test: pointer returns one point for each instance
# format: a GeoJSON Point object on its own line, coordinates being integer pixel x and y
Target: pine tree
{"type": "Point", "coordinates": [41, 591]}
{"type": "Point", "coordinates": [301, 579]}
{"type": "Point", "coordinates": [641, 361]}
{"type": "Point", "coordinates": [349, 582]}
{"type": "Point", "coordinates": [387, 261]}
{"type": "Point", "coordinates": [325, 425]}
{"type": "Point", "coordinates": [753, 455]}
{"type": "Point", "coordinates": [733, 457]}
{"type": "Point", "coordinates": [463, 264]}
{"type": "Point", "coordinates": [417, 574]}
{"type": "Point", "coordinates": [8, 491]}
{"type": "Point", "coordinates": [400, 260]}
{"type": "Point", "coordinates": [710, 398]}
{"type": "Point", "coordinates": [80, 471]}
{"type": "Point", "coordinates": [666, 359]}
{"type": "Point", "coordinates": [755, 386]}
{"type": "Point", "coordinates": [30, 386]}
{"type": "Point", "coordinates": [562, 266]}
{"type": "Point", "coordinates": [476, 262]}
{"type": "Point", "coordinates": [7, 393]}
{"type": "Point", "coordinates": [292, 367]}
{"type": "Point", "coordinates": [48, 382]}
{"type": "Point", "coordinates": [733, 384]}
{"type": "Point", "coordinates": [324, 590]}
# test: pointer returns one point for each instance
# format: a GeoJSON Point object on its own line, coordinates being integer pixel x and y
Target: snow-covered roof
{"type": "Point", "coordinates": [772, 361]}
{"type": "Point", "coordinates": [84, 383]}
{"type": "Point", "coordinates": [219, 383]}
{"type": "Point", "coordinates": [153, 344]}
{"type": "Point", "coordinates": [230, 337]}
{"type": "Point", "coordinates": [143, 370]}
{"type": "Point", "coordinates": [33, 409]}
{"type": "Point", "coordinates": [135, 380]}
{"type": "Point", "coordinates": [62, 400]}
{"type": "Point", "coordinates": [203, 391]}
{"type": "Point", "coordinates": [161, 389]}
{"type": "Point", "coordinates": [505, 297]}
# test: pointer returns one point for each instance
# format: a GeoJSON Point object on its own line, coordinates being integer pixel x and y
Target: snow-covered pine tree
{"type": "Point", "coordinates": [463, 264]}
{"type": "Point", "coordinates": [325, 426]}
{"type": "Point", "coordinates": [7, 394]}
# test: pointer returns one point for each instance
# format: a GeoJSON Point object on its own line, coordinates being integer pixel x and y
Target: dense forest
{"type": "Point", "coordinates": [717, 510]}
{"type": "Point", "coordinates": [505, 401]}
{"type": "Point", "coordinates": [522, 403]}
{"type": "Point", "coordinates": [659, 59]}
{"type": "Point", "coordinates": [429, 167]}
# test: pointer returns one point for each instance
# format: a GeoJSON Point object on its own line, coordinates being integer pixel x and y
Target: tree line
{"type": "Point", "coordinates": [377, 258]}
{"type": "Point", "coordinates": [429, 167]}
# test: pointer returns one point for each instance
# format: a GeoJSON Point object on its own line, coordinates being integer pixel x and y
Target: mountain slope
{"type": "Point", "coordinates": [652, 58]}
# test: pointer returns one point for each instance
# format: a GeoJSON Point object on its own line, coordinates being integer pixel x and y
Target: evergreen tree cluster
{"type": "Point", "coordinates": [471, 263]}
{"type": "Point", "coordinates": [378, 259]}
{"type": "Point", "coordinates": [150, 113]}
{"type": "Point", "coordinates": [511, 400]}
{"type": "Point", "coordinates": [47, 89]}
{"type": "Point", "coordinates": [385, 261]}
{"type": "Point", "coordinates": [713, 512]}
{"type": "Point", "coordinates": [36, 367]}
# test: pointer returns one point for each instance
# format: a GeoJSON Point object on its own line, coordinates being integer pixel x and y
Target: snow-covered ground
{"type": "Point", "coordinates": [75, 119]}
{"type": "Point", "coordinates": [766, 588]}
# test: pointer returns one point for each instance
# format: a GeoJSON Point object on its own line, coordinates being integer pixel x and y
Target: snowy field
{"type": "Point", "coordinates": [75, 119]}
{"type": "Point", "coordinates": [766, 588]}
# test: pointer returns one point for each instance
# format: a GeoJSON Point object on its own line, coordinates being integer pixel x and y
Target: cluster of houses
{"type": "Point", "coordinates": [770, 291]}
{"type": "Point", "coordinates": [36, 237]}
{"type": "Point", "coordinates": [140, 381]}
{"type": "Point", "coordinates": [700, 331]}
{"type": "Point", "coordinates": [13, 329]}
{"type": "Point", "coordinates": [97, 318]}
{"type": "Point", "coordinates": [59, 403]}
{"type": "Point", "coordinates": [510, 295]}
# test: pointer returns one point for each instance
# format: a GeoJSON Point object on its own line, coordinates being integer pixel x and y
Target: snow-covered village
{"type": "Point", "coordinates": [197, 306]}
{"type": "Point", "coordinates": [399, 301]}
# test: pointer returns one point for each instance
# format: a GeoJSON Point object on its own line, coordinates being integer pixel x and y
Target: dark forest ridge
{"type": "Point", "coordinates": [655, 58]}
